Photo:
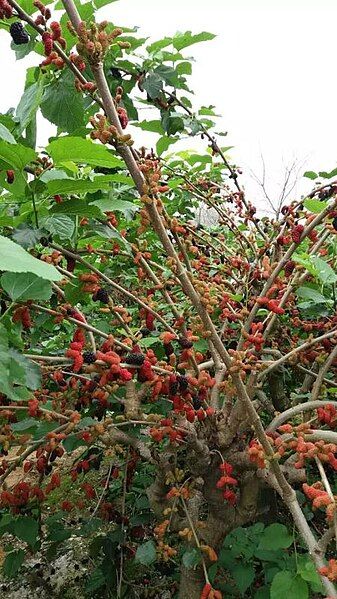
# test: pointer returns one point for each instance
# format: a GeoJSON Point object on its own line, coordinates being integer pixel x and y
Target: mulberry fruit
{"type": "Point", "coordinates": [18, 33]}
{"type": "Point", "coordinates": [289, 268]}
{"type": "Point", "coordinates": [101, 295]}
{"type": "Point", "coordinates": [183, 383]}
{"type": "Point", "coordinates": [185, 343]}
{"type": "Point", "coordinates": [89, 357]}
{"type": "Point", "coordinates": [297, 233]}
{"type": "Point", "coordinates": [135, 359]}
{"type": "Point", "coordinates": [334, 223]}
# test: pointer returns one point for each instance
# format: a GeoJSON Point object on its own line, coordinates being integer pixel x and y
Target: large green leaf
{"type": "Point", "coordinates": [82, 151]}
{"type": "Point", "coordinates": [62, 104]}
{"type": "Point", "coordinates": [275, 536]}
{"type": "Point", "coordinates": [25, 286]}
{"type": "Point", "coordinates": [77, 206]}
{"type": "Point", "coordinates": [79, 186]}
{"type": "Point", "coordinates": [13, 258]}
{"type": "Point", "coordinates": [61, 225]}
{"type": "Point", "coordinates": [286, 584]}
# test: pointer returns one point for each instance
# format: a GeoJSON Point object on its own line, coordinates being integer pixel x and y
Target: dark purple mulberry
{"type": "Point", "coordinates": [89, 357]}
{"type": "Point", "coordinates": [185, 343]}
{"type": "Point", "coordinates": [101, 295]}
{"type": "Point", "coordinates": [135, 359]}
{"type": "Point", "coordinates": [18, 33]}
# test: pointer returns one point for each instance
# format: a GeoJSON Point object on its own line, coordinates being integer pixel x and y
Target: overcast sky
{"type": "Point", "coordinates": [270, 72]}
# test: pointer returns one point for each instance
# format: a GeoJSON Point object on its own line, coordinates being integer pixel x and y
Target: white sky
{"type": "Point", "coordinates": [270, 72]}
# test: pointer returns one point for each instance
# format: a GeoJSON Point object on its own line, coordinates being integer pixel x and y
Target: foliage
{"type": "Point", "coordinates": [163, 383]}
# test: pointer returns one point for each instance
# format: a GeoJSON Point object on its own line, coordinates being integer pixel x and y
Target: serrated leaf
{"type": "Point", "coordinates": [274, 537]}
{"type": "Point", "coordinates": [146, 553]}
{"type": "Point", "coordinates": [61, 225]}
{"type": "Point", "coordinates": [14, 258]}
{"type": "Point", "coordinates": [62, 104]}
{"type": "Point", "coordinates": [25, 286]}
{"type": "Point", "coordinates": [82, 151]}
{"type": "Point", "coordinates": [285, 584]}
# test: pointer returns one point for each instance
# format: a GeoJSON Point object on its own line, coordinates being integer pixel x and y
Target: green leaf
{"type": "Point", "coordinates": [112, 204]}
{"type": "Point", "coordinates": [60, 225]}
{"type": "Point", "coordinates": [183, 40]}
{"type": "Point", "coordinates": [307, 570]}
{"type": "Point", "coordinates": [243, 575]}
{"type": "Point", "coordinates": [153, 84]}
{"type": "Point", "coordinates": [26, 236]}
{"type": "Point", "coordinates": [275, 536]}
{"type": "Point", "coordinates": [53, 174]}
{"type": "Point", "coordinates": [311, 295]}
{"type": "Point", "coordinates": [24, 425]}
{"type": "Point", "coordinates": [191, 558]}
{"type": "Point", "coordinates": [285, 584]}
{"type": "Point", "coordinates": [164, 143]}
{"type": "Point", "coordinates": [28, 105]}
{"type": "Point", "coordinates": [324, 271]}
{"type": "Point", "coordinates": [62, 104]}
{"type": "Point", "coordinates": [26, 529]}
{"type": "Point", "coordinates": [31, 372]}
{"type": "Point", "coordinates": [6, 135]}
{"type": "Point", "coordinates": [14, 258]}
{"type": "Point", "coordinates": [82, 151]}
{"type": "Point", "coordinates": [159, 45]}
{"type": "Point", "coordinates": [328, 175]}
{"type": "Point", "coordinates": [146, 553]}
{"type": "Point", "coordinates": [79, 186]}
{"type": "Point", "coordinates": [77, 206]}
{"type": "Point", "coordinates": [25, 286]}
{"type": "Point", "coordinates": [310, 175]}
{"type": "Point", "coordinates": [154, 126]}
{"type": "Point", "coordinates": [96, 581]}
{"type": "Point", "coordinates": [15, 157]}
{"type": "Point", "coordinates": [315, 206]}
{"type": "Point", "coordinates": [13, 562]}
